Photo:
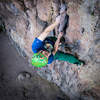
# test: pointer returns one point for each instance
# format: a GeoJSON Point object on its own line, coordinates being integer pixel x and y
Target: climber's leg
{"type": "Point", "coordinates": [66, 57]}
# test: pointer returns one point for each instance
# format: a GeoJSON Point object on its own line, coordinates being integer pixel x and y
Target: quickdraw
{"type": "Point", "coordinates": [73, 46]}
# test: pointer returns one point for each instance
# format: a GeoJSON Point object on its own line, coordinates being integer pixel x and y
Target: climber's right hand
{"type": "Point", "coordinates": [58, 19]}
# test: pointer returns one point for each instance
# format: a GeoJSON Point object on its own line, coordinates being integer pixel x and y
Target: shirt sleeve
{"type": "Point", "coordinates": [36, 46]}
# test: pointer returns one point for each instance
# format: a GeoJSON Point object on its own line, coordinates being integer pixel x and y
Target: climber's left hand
{"type": "Point", "coordinates": [61, 34]}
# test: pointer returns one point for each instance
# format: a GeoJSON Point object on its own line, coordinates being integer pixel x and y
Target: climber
{"type": "Point", "coordinates": [46, 48]}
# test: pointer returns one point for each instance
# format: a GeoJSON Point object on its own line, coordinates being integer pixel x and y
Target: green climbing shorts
{"type": "Point", "coordinates": [61, 56]}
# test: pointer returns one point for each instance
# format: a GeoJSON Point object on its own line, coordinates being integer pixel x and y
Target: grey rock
{"type": "Point", "coordinates": [23, 76]}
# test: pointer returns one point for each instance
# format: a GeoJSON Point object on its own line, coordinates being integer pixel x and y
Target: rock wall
{"type": "Point", "coordinates": [26, 19]}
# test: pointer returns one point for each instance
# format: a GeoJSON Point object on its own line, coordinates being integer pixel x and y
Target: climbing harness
{"type": "Point", "coordinates": [49, 47]}
{"type": "Point", "coordinates": [49, 42]}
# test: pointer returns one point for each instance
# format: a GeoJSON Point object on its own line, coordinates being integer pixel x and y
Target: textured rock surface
{"type": "Point", "coordinates": [19, 81]}
{"type": "Point", "coordinates": [26, 19]}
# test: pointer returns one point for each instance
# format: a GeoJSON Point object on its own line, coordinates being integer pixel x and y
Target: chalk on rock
{"type": "Point", "coordinates": [23, 76]}
{"type": "Point", "coordinates": [63, 8]}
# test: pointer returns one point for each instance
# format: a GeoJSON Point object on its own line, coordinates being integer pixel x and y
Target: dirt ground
{"type": "Point", "coordinates": [35, 88]}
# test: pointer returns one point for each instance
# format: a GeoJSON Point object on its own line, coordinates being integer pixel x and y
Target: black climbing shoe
{"type": "Point", "coordinates": [82, 63]}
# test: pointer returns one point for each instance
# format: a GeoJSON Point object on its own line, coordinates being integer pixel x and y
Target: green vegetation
{"type": "Point", "coordinates": [92, 13]}
{"type": "Point", "coordinates": [83, 30]}
{"type": "Point", "coordinates": [25, 91]}
{"type": "Point", "coordinates": [2, 27]}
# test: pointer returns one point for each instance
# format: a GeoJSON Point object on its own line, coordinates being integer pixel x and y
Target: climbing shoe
{"type": "Point", "coordinates": [82, 63]}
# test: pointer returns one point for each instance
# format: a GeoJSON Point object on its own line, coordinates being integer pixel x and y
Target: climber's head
{"type": "Point", "coordinates": [45, 53]}
{"type": "Point", "coordinates": [40, 59]}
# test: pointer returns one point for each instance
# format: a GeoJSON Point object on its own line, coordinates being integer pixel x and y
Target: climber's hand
{"type": "Point", "coordinates": [58, 19]}
{"type": "Point", "coordinates": [61, 34]}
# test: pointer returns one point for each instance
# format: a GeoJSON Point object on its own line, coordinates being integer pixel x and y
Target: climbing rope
{"type": "Point", "coordinates": [73, 46]}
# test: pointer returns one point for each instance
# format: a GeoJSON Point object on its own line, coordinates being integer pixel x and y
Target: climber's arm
{"type": "Point", "coordinates": [44, 34]}
{"type": "Point", "coordinates": [56, 45]}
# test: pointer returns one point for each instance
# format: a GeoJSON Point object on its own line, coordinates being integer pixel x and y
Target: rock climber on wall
{"type": "Point", "coordinates": [46, 48]}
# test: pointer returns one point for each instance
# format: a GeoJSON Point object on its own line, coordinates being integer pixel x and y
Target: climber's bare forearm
{"type": "Point", "coordinates": [44, 34]}
{"type": "Point", "coordinates": [56, 46]}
